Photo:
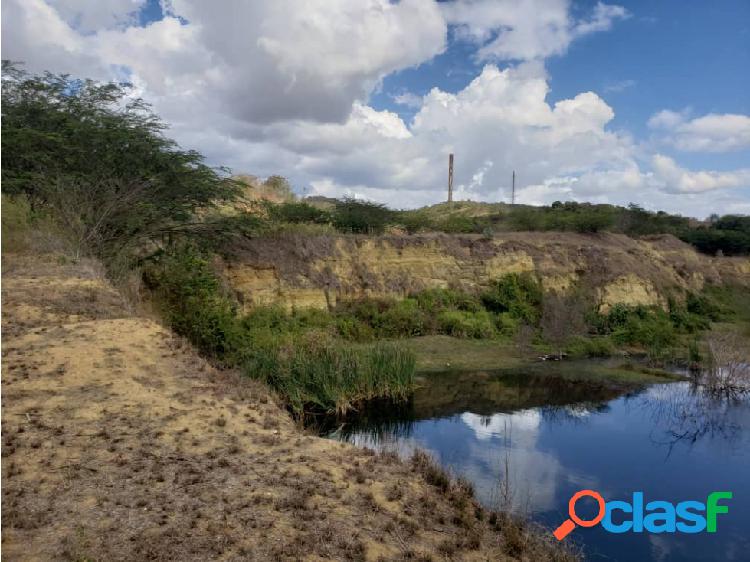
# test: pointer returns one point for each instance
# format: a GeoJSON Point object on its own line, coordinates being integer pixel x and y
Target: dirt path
{"type": "Point", "coordinates": [120, 443]}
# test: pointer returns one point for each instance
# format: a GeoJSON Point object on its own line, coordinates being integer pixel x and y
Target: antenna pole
{"type": "Point", "coordinates": [450, 177]}
{"type": "Point", "coordinates": [513, 192]}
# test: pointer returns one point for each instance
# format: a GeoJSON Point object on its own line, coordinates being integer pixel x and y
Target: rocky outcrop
{"type": "Point", "coordinates": [318, 271]}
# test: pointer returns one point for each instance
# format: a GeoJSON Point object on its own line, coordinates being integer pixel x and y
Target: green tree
{"type": "Point", "coordinates": [351, 215]}
{"type": "Point", "coordinates": [99, 158]}
{"type": "Point", "coordinates": [297, 212]}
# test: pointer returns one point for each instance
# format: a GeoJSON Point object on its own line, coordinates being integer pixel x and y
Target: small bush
{"type": "Point", "coordinates": [313, 318]}
{"type": "Point", "coordinates": [403, 319]}
{"type": "Point", "coordinates": [704, 306]}
{"type": "Point", "coordinates": [441, 299]}
{"type": "Point", "coordinates": [368, 310]}
{"type": "Point", "coordinates": [581, 346]}
{"type": "Point", "coordinates": [591, 221]}
{"type": "Point", "coordinates": [464, 324]}
{"type": "Point", "coordinates": [459, 224]}
{"type": "Point", "coordinates": [652, 329]}
{"type": "Point", "coordinates": [267, 318]}
{"type": "Point", "coordinates": [506, 325]}
{"type": "Point", "coordinates": [524, 219]}
{"type": "Point", "coordinates": [687, 322]}
{"type": "Point", "coordinates": [518, 294]}
{"type": "Point", "coordinates": [414, 221]}
{"type": "Point", "coordinates": [192, 299]}
{"type": "Point", "coordinates": [353, 329]}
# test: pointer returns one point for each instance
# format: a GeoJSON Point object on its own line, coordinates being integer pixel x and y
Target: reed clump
{"type": "Point", "coordinates": [315, 371]}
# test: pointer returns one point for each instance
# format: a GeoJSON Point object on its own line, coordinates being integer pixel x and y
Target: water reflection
{"type": "Point", "coordinates": [528, 443]}
{"type": "Point", "coordinates": [482, 393]}
{"type": "Point", "coordinates": [688, 413]}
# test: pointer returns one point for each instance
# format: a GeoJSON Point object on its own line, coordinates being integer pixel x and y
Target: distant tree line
{"type": "Point", "coordinates": [728, 235]}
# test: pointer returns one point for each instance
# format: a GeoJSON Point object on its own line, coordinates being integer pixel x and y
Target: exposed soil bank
{"type": "Point", "coordinates": [318, 271]}
{"type": "Point", "coordinates": [120, 443]}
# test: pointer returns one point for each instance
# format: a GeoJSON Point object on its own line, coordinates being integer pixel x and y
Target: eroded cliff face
{"type": "Point", "coordinates": [319, 271]}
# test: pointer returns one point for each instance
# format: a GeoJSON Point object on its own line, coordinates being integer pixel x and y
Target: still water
{"type": "Point", "coordinates": [531, 443]}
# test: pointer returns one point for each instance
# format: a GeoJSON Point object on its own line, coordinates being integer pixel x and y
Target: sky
{"type": "Point", "coordinates": [639, 101]}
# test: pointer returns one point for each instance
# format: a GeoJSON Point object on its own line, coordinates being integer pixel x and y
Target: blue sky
{"type": "Point", "coordinates": [642, 101]}
{"type": "Point", "coordinates": [679, 54]}
{"type": "Point", "coordinates": [668, 53]}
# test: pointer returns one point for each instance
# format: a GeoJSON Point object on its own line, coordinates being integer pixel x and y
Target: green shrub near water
{"type": "Point", "coordinates": [600, 346]}
{"type": "Point", "coordinates": [403, 319]}
{"type": "Point", "coordinates": [518, 294]}
{"type": "Point", "coordinates": [432, 311]}
{"type": "Point", "coordinates": [649, 327]}
{"type": "Point", "coordinates": [353, 329]}
{"type": "Point", "coordinates": [386, 318]}
{"type": "Point", "coordinates": [193, 302]}
{"type": "Point", "coordinates": [314, 370]}
{"type": "Point", "coordinates": [441, 299]}
{"type": "Point", "coordinates": [506, 324]}
{"type": "Point", "coordinates": [463, 324]}
{"type": "Point", "coordinates": [705, 305]}
{"type": "Point", "coordinates": [512, 299]}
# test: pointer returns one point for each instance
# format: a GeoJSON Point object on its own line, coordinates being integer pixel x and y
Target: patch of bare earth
{"type": "Point", "coordinates": [120, 443]}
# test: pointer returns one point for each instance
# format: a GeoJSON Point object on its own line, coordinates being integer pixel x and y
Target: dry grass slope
{"type": "Point", "coordinates": [120, 443]}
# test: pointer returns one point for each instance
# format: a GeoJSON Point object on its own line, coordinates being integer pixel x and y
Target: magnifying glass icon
{"type": "Point", "coordinates": [569, 524]}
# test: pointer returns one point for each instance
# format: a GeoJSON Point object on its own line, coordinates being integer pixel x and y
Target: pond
{"type": "Point", "coordinates": [529, 443]}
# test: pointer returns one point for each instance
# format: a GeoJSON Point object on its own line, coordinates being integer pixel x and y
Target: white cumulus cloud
{"type": "Point", "coordinates": [526, 29]}
{"type": "Point", "coordinates": [679, 179]}
{"type": "Point", "coordinates": [709, 133]}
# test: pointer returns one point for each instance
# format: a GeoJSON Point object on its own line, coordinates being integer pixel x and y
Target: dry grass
{"type": "Point", "coordinates": [519, 538]}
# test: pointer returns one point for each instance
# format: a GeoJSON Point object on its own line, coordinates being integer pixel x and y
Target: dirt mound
{"type": "Point", "coordinates": [120, 443]}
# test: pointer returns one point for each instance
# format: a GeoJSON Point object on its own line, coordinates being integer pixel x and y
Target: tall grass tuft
{"type": "Point", "coordinates": [313, 371]}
